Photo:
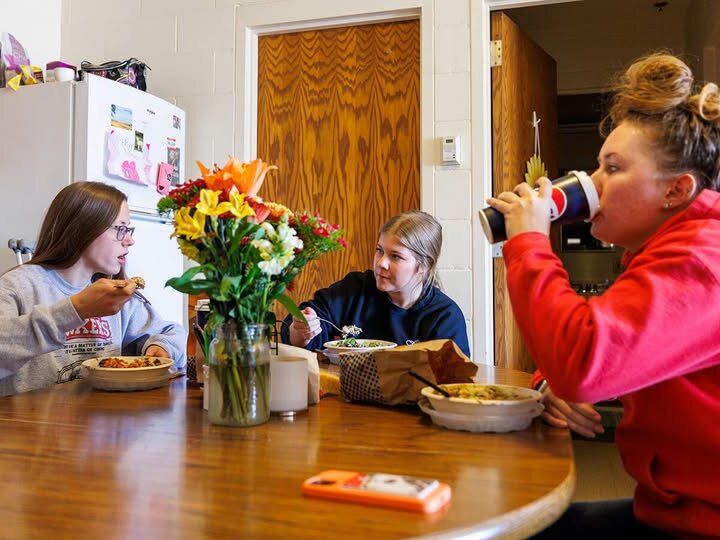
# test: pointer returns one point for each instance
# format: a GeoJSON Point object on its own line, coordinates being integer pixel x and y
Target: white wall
{"type": "Point", "coordinates": [35, 24]}
{"type": "Point", "coordinates": [192, 50]}
{"type": "Point", "coordinates": [594, 39]}
{"type": "Point", "coordinates": [190, 46]}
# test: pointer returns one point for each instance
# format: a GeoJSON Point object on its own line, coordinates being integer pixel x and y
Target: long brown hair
{"type": "Point", "coordinates": [77, 215]}
{"type": "Point", "coordinates": [422, 234]}
{"type": "Point", "coordinates": [683, 119]}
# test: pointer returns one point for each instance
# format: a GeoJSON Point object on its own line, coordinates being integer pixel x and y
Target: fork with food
{"type": "Point", "coordinates": [347, 331]}
{"type": "Point", "coordinates": [139, 284]}
{"type": "Point", "coordinates": [305, 332]}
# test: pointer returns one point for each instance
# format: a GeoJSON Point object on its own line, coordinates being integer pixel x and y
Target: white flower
{"type": "Point", "coordinates": [278, 247]}
{"type": "Point", "coordinates": [271, 267]}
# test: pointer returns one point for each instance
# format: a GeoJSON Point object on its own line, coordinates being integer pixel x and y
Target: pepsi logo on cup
{"type": "Point", "coordinates": [574, 198]}
{"type": "Point", "coordinates": [559, 203]}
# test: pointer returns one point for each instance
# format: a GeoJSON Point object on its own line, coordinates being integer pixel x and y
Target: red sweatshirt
{"type": "Point", "coordinates": [653, 338]}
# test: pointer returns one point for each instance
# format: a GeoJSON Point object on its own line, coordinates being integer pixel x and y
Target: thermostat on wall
{"type": "Point", "coordinates": [451, 150]}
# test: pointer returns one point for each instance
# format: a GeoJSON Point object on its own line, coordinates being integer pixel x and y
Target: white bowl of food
{"type": "Point", "coordinates": [128, 373]}
{"type": "Point", "coordinates": [333, 349]}
{"type": "Point", "coordinates": [483, 399]}
{"type": "Point", "coordinates": [480, 423]}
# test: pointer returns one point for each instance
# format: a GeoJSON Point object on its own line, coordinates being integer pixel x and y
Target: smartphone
{"type": "Point", "coordinates": [380, 489]}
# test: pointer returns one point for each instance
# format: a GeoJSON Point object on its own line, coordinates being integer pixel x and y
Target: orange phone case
{"type": "Point", "coordinates": [375, 489]}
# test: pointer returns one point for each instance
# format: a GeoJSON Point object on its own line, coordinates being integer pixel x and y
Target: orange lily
{"type": "Point", "coordinates": [246, 177]}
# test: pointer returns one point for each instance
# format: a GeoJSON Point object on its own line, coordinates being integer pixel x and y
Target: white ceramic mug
{"type": "Point", "coordinates": [288, 384]}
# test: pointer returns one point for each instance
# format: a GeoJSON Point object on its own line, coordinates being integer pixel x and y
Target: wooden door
{"type": "Point", "coordinates": [525, 81]}
{"type": "Point", "coordinates": [339, 114]}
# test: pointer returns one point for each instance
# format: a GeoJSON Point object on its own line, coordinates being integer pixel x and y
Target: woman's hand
{"type": "Point", "coordinates": [103, 298]}
{"type": "Point", "coordinates": [582, 418]}
{"type": "Point", "coordinates": [525, 210]}
{"type": "Point", "coordinates": [156, 351]}
{"type": "Point", "coordinates": [301, 333]}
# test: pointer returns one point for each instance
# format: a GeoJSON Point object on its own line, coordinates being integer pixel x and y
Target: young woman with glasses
{"type": "Point", "coordinates": [72, 301]}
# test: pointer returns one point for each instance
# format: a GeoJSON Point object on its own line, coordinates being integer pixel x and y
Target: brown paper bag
{"type": "Point", "coordinates": [382, 376]}
{"type": "Point", "coordinates": [448, 363]}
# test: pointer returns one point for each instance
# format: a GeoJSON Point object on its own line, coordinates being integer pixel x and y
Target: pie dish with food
{"type": "Point", "coordinates": [479, 399]}
{"type": "Point", "coordinates": [501, 423]}
{"type": "Point", "coordinates": [128, 373]}
{"type": "Point", "coordinates": [334, 348]}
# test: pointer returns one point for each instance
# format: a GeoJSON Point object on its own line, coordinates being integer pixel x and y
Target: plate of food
{"type": "Point", "coordinates": [481, 423]}
{"type": "Point", "coordinates": [351, 344]}
{"type": "Point", "coordinates": [482, 399]}
{"type": "Point", "coordinates": [128, 373]}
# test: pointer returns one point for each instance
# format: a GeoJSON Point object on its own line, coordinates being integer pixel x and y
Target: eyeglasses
{"type": "Point", "coordinates": [122, 230]}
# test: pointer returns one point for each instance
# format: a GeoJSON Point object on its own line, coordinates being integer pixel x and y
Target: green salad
{"type": "Point", "coordinates": [353, 342]}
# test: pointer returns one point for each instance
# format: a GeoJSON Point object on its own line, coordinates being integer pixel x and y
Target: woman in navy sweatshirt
{"type": "Point", "coordinates": [399, 300]}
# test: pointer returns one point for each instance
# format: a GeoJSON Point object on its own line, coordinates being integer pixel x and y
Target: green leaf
{"type": "Point", "coordinates": [214, 319]}
{"type": "Point", "coordinates": [291, 306]}
{"type": "Point", "coordinates": [196, 286]}
{"type": "Point", "coordinates": [229, 286]}
{"type": "Point", "coordinates": [186, 276]}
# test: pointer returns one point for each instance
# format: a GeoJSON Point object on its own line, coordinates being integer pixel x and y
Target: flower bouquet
{"type": "Point", "coordinates": [248, 251]}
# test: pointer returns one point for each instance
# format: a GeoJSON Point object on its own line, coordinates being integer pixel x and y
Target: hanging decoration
{"type": "Point", "coordinates": [535, 166]}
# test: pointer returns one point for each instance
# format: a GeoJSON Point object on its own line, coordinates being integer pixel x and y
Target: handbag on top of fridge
{"type": "Point", "coordinates": [130, 71]}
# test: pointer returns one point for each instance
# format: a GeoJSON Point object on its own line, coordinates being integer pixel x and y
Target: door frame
{"type": "Point", "coordinates": [481, 173]}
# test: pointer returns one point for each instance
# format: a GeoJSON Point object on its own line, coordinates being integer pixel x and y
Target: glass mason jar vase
{"type": "Point", "coordinates": [239, 375]}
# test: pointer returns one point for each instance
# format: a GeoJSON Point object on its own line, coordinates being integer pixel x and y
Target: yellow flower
{"type": "Point", "coordinates": [238, 207]}
{"type": "Point", "coordinates": [277, 210]}
{"type": "Point", "coordinates": [189, 249]}
{"type": "Point", "coordinates": [192, 227]}
{"type": "Point", "coordinates": [208, 204]}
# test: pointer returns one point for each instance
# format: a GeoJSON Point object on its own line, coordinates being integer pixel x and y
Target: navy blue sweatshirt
{"type": "Point", "coordinates": [356, 300]}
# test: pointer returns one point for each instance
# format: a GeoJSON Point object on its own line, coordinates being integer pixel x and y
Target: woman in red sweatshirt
{"type": "Point", "coordinates": [653, 338]}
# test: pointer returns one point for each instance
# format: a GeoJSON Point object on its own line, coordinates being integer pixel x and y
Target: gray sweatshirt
{"type": "Point", "coordinates": [43, 340]}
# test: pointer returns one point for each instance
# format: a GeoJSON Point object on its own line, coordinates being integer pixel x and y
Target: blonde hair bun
{"type": "Point", "coordinates": [658, 92]}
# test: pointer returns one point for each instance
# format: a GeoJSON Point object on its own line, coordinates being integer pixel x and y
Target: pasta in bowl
{"type": "Point", "coordinates": [479, 399]}
{"type": "Point", "coordinates": [128, 373]}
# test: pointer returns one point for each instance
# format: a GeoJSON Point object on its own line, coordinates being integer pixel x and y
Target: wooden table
{"type": "Point", "coordinates": [80, 463]}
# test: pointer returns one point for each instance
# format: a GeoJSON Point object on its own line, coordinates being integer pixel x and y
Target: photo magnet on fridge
{"type": "Point", "coordinates": [164, 178]}
{"type": "Point", "coordinates": [120, 117]}
{"type": "Point", "coordinates": [173, 158]}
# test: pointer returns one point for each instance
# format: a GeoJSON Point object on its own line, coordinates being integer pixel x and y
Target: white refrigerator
{"type": "Point", "coordinates": [96, 129]}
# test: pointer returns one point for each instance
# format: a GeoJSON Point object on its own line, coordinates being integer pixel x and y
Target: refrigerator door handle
{"type": "Point", "coordinates": [148, 216]}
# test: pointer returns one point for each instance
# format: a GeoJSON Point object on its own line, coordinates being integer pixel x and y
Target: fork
{"type": "Point", "coordinates": [332, 324]}
{"type": "Point", "coordinates": [137, 294]}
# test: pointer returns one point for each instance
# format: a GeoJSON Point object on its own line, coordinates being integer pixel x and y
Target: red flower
{"type": "Point", "coordinates": [320, 231]}
{"type": "Point", "coordinates": [261, 211]}
{"type": "Point", "coordinates": [342, 242]}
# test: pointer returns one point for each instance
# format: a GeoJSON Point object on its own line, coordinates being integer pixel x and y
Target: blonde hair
{"type": "Point", "coordinates": [658, 92]}
{"type": "Point", "coordinates": [422, 234]}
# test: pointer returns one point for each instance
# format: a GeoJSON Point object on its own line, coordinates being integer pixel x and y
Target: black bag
{"type": "Point", "coordinates": [130, 71]}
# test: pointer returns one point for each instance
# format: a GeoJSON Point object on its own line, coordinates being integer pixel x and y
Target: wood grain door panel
{"type": "Point", "coordinates": [339, 114]}
{"type": "Point", "coordinates": [525, 82]}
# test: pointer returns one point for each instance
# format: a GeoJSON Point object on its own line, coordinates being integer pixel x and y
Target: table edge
{"type": "Point", "coordinates": [520, 523]}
